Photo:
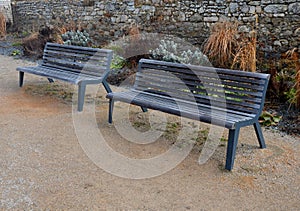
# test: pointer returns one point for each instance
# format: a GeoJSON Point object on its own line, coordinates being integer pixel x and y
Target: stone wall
{"type": "Point", "coordinates": [278, 20]}
{"type": "Point", "coordinates": [5, 8]}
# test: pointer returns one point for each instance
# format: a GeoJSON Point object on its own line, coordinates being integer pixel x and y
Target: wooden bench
{"type": "Point", "coordinates": [227, 98]}
{"type": "Point", "coordinates": [73, 64]}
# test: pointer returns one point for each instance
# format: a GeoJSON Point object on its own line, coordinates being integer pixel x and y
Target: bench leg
{"type": "Point", "coordinates": [144, 109]}
{"type": "Point", "coordinates": [21, 78]}
{"type": "Point", "coordinates": [50, 80]}
{"type": "Point", "coordinates": [110, 112]}
{"type": "Point", "coordinates": [231, 147]}
{"type": "Point", "coordinates": [259, 135]}
{"type": "Point", "coordinates": [81, 93]}
{"type": "Point", "coordinates": [106, 86]}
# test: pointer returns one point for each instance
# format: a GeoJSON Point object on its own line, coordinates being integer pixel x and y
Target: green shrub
{"type": "Point", "coordinates": [15, 52]}
{"type": "Point", "coordinates": [170, 51]}
{"type": "Point", "coordinates": [269, 119]}
{"type": "Point", "coordinates": [76, 38]}
{"type": "Point", "coordinates": [117, 62]}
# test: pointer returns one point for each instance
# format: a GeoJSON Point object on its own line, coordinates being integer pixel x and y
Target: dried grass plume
{"type": "Point", "coordinates": [2, 25]}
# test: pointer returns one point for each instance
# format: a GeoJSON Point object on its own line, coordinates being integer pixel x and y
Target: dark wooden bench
{"type": "Point", "coordinates": [227, 98]}
{"type": "Point", "coordinates": [73, 64]}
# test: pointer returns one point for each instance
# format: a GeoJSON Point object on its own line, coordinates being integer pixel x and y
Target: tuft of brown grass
{"type": "Point", "coordinates": [34, 44]}
{"type": "Point", "coordinates": [2, 25]}
{"type": "Point", "coordinates": [134, 33]}
{"type": "Point", "coordinates": [294, 56]}
{"type": "Point", "coordinates": [228, 48]}
{"type": "Point", "coordinates": [55, 34]}
{"type": "Point", "coordinates": [245, 57]}
{"type": "Point", "coordinates": [222, 42]}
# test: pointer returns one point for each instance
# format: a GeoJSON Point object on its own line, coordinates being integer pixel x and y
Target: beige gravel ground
{"type": "Point", "coordinates": [43, 166]}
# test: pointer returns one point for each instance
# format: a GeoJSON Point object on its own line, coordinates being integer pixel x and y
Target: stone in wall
{"type": "Point", "coordinates": [276, 8]}
{"type": "Point", "coordinates": [294, 8]}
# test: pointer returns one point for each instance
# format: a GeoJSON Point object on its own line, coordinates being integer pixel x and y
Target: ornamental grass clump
{"type": "Point", "coordinates": [245, 57]}
{"type": "Point", "coordinates": [294, 91]}
{"type": "Point", "coordinates": [2, 25]}
{"type": "Point", "coordinates": [221, 44]}
{"type": "Point", "coordinates": [227, 47]}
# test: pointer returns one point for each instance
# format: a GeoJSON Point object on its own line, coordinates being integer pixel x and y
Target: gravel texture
{"type": "Point", "coordinates": [43, 166]}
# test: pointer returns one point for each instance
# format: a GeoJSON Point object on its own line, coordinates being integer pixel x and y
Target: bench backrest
{"type": "Point", "coordinates": [229, 89]}
{"type": "Point", "coordinates": [85, 60]}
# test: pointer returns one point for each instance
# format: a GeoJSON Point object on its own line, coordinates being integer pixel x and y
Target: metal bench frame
{"type": "Point", "coordinates": [228, 98]}
{"type": "Point", "coordinates": [73, 64]}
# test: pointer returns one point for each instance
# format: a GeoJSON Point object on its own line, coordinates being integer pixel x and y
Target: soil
{"type": "Point", "coordinates": [44, 167]}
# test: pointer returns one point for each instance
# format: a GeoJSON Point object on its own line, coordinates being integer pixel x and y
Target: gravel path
{"type": "Point", "coordinates": [43, 167]}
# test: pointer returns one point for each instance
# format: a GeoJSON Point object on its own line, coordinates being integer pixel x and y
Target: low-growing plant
{"type": "Point", "coordinates": [269, 119]}
{"type": "Point", "coordinates": [117, 62]}
{"type": "Point", "coordinates": [291, 95]}
{"type": "Point", "coordinates": [15, 52]}
{"type": "Point", "coordinates": [172, 130]}
{"type": "Point", "coordinates": [24, 34]}
{"type": "Point", "coordinates": [285, 78]}
{"type": "Point", "coordinates": [17, 44]}
{"type": "Point", "coordinates": [79, 38]}
{"type": "Point", "coordinates": [170, 51]}
{"type": "Point", "coordinates": [294, 93]}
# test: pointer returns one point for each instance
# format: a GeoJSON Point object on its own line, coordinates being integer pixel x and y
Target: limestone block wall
{"type": "Point", "coordinates": [278, 20]}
